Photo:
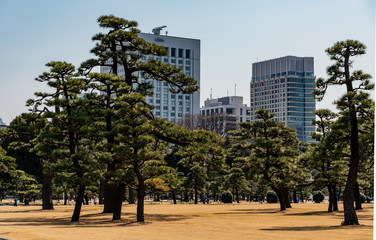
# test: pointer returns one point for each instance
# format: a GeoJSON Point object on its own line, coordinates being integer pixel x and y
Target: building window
{"type": "Point", "coordinates": [180, 53]}
{"type": "Point", "coordinates": [241, 113]}
{"type": "Point", "coordinates": [173, 60]}
{"type": "Point", "coordinates": [180, 109]}
{"type": "Point", "coordinates": [172, 102]}
{"type": "Point", "coordinates": [180, 61]}
{"type": "Point", "coordinates": [180, 96]}
{"type": "Point", "coordinates": [173, 52]}
{"type": "Point", "coordinates": [165, 102]}
{"type": "Point", "coordinates": [172, 114]}
{"type": "Point", "coordinates": [165, 60]}
{"type": "Point", "coordinates": [187, 53]}
{"type": "Point", "coordinates": [187, 68]}
{"type": "Point", "coordinates": [165, 95]}
{"type": "Point", "coordinates": [187, 62]}
{"type": "Point", "coordinates": [172, 108]}
{"type": "Point", "coordinates": [165, 107]}
{"type": "Point", "coordinates": [158, 107]}
{"type": "Point", "coordinates": [157, 95]}
{"type": "Point", "coordinates": [187, 104]}
{"type": "Point", "coordinates": [180, 103]}
{"type": "Point", "coordinates": [165, 114]}
{"type": "Point", "coordinates": [173, 96]}
{"type": "Point", "coordinates": [158, 113]}
{"type": "Point", "coordinates": [180, 114]}
{"type": "Point", "coordinates": [157, 101]}
{"type": "Point", "coordinates": [187, 109]}
{"type": "Point", "coordinates": [150, 101]}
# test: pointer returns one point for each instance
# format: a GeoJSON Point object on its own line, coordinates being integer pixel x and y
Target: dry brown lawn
{"type": "Point", "coordinates": [185, 221]}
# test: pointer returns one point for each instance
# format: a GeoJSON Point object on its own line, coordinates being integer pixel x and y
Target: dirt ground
{"type": "Point", "coordinates": [186, 221]}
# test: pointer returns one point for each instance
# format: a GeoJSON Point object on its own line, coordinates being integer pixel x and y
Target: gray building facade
{"type": "Point", "coordinates": [284, 87]}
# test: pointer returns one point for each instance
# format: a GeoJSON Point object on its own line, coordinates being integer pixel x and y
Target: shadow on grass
{"type": "Point", "coordinates": [251, 211]}
{"type": "Point", "coordinates": [318, 213]}
{"type": "Point", "coordinates": [316, 228]}
{"type": "Point", "coordinates": [91, 220]}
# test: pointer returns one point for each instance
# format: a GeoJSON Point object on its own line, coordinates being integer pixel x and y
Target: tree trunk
{"type": "Point", "coordinates": [280, 197]}
{"type": "Point", "coordinates": [131, 195]}
{"type": "Point", "coordinates": [65, 197]}
{"type": "Point", "coordinates": [79, 201]}
{"type": "Point", "coordinates": [47, 192]}
{"type": "Point", "coordinates": [358, 200]}
{"type": "Point", "coordinates": [86, 199]}
{"type": "Point", "coordinates": [330, 190]}
{"type": "Point", "coordinates": [186, 196]}
{"type": "Point", "coordinates": [301, 196]}
{"type": "Point", "coordinates": [119, 201]}
{"type": "Point", "coordinates": [110, 197]}
{"type": "Point", "coordinates": [140, 201]}
{"type": "Point", "coordinates": [237, 195]}
{"type": "Point", "coordinates": [196, 192]}
{"type": "Point", "coordinates": [348, 202]}
{"type": "Point", "coordinates": [294, 196]}
{"type": "Point", "coordinates": [339, 193]}
{"type": "Point", "coordinates": [335, 200]}
{"type": "Point", "coordinates": [173, 196]}
{"type": "Point", "coordinates": [286, 197]}
{"type": "Point", "coordinates": [101, 192]}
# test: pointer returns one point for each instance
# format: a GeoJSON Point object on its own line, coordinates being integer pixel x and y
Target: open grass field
{"type": "Point", "coordinates": [186, 221]}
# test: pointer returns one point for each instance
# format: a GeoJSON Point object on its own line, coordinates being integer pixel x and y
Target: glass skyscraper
{"type": "Point", "coordinates": [284, 87]}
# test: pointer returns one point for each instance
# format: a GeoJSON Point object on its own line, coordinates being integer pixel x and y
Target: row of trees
{"type": "Point", "coordinates": [94, 134]}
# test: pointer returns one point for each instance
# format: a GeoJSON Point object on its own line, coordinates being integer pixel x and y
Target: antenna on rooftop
{"type": "Point", "coordinates": [157, 30]}
{"type": "Point", "coordinates": [211, 93]}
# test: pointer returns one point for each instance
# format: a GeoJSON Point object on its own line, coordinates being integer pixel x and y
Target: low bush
{"type": "Point", "coordinates": [226, 197]}
{"type": "Point", "coordinates": [271, 197]}
{"type": "Point", "coordinates": [318, 196]}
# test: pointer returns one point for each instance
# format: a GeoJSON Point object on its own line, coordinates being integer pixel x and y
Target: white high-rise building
{"type": "Point", "coordinates": [183, 53]}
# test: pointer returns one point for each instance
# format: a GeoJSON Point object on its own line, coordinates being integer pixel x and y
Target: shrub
{"type": "Point", "coordinates": [271, 197]}
{"type": "Point", "coordinates": [226, 197]}
{"type": "Point", "coordinates": [318, 196]}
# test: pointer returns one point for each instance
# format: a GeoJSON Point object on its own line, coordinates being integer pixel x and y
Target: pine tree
{"type": "Point", "coordinates": [355, 82]}
{"type": "Point", "coordinates": [69, 125]}
{"type": "Point", "coordinates": [121, 47]}
{"type": "Point", "coordinates": [273, 150]}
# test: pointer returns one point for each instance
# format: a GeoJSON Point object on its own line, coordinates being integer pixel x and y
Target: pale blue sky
{"type": "Point", "coordinates": [233, 35]}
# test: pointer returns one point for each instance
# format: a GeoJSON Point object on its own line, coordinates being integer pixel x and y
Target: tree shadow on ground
{"type": "Point", "coordinates": [318, 213]}
{"type": "Point", "coordinates": [90, 220]}
{"type": "Point", "coordinates": [251, 211]}
{"type": "Point", "coordinates": [316, 228]}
